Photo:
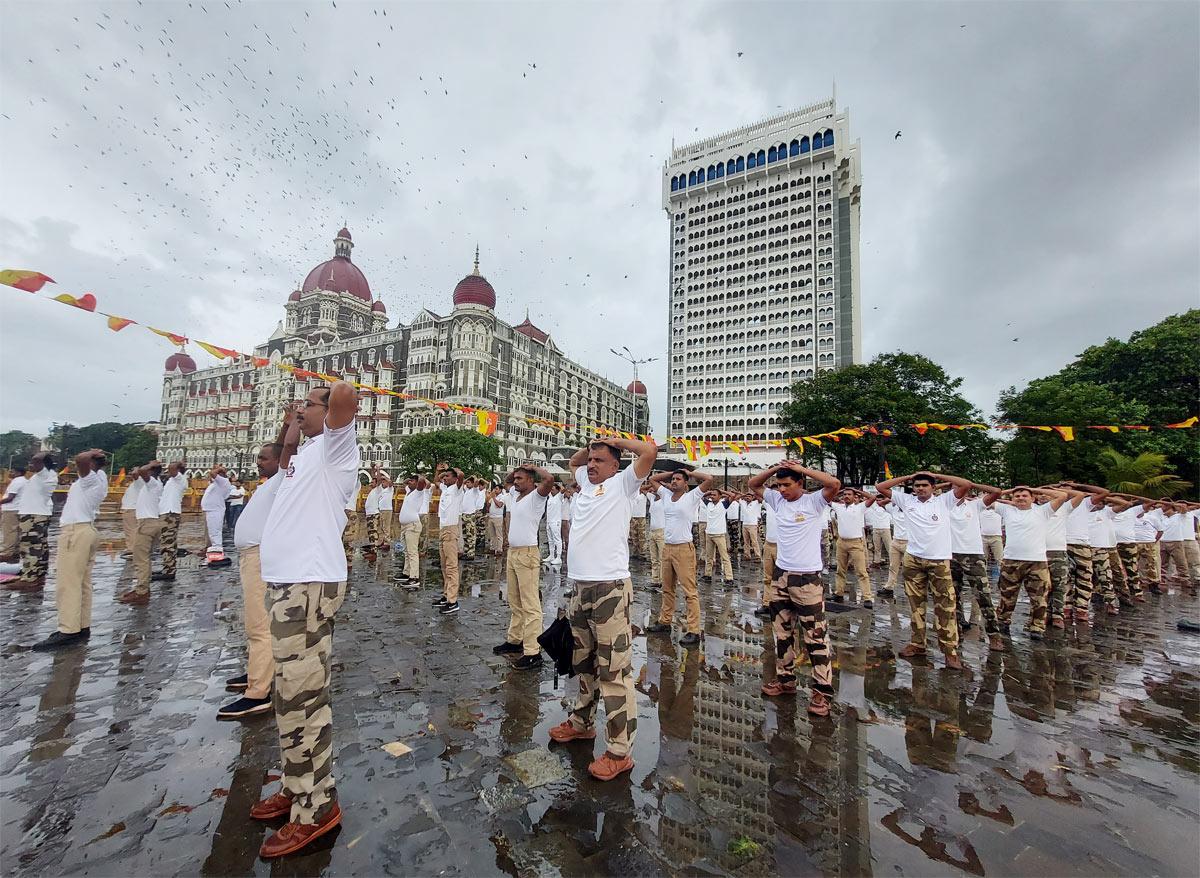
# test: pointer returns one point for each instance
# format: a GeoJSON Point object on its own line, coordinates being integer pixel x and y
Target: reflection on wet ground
{"type": "Point", "coordinates": [1075, 756]}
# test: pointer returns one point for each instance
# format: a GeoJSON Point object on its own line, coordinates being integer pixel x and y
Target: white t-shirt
{"type": "Point", "coordinates": [1026, 531]}
{"type": "Point", "coordinates": [851, 519]}
{"type": "Point", "coordinates": [637, 505]}
{"type": "Point", "coordinates": [1126, 524]}
{"type": "Point", "coordinates": [658, 514]}
{"type": "Point", "coordinates": [1077, 522]}
{"type": "Point", "coordinates": [129, 498]}
{"type": "Point", "coordinates": [799, 526]}
{"type": "Point", "coordinates": [928, 524]}
{"type": "Point", "coordinates": [526, 514]}
{"type": "Point", "coordinates": [965, 537]}
{"type": "Point", "coordinates": [149, 500]}
{"type": "Point", "coordinates": [352, 503]}
{"type": "Point", "coordinates": [568, 508]}
{"type": "Point", "coordinates": [733, 511]}
{"type": "Point", "coordinates": [680, 514]}
{"type": "Point", "coordinates": [899, 524]}
{"type": "Point", "coordinates": [1056, 529]}
{"type": "Point", "coordinates": [600, 526]}
{"type": "Point", "coordinates": [411, 505]}
{"type": "Point", "coordinates": [386, 498]}
{"type": "Point", "coordinates": [450, 506]}
{"type": "Point", "coordinates": [215, 494]}
{"type": "Point", "coordinates": [751, 511]}
{"type": "Point", "coordinates": [428, 498]}
{"type": "Point", "coordinates": [1147, 528]}
{"type": "Point", "coordinates": [1176, 527]}
{"type": "Point", "coordinates": [474, 500]}
{"type": "Point", "coordinates": [250, 524]}
{"type": "Point", "coordinates": [302, 540]}
{"type": "Point", "coordinates": [84, 498]}
{"type": "Point", "coordinates": [772, 530]}
{"type": "Point", "coordinates": [715, 520]}
{"type": "Point", "coordinates": [170, 497]}
{"type": "Point", "coordinates": [1102, 531]}
{"type": "Point", "coordinates": [371, 507]}
{"type": "Point", "coordinates": [878, 517]}
{"type": "Point", "coordinates": [990, 522]}
{"type": "Point", "coordinates": [37, 496]}
{"type": "Point", "coordinates": [237, 496]}
{"type": "Point", "coordinates": [554, 509]}
{"type": "Point", "coordinates": [14, 487]}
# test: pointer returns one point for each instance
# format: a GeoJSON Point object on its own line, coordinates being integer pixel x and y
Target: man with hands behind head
{"type": "Point", "coordinates": [680, 508]}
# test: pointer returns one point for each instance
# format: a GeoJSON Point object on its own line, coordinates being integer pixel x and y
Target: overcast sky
{"type": "Point", "coordinates": [188, 163]}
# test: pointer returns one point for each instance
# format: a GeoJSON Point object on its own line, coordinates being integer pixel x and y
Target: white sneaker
{"type": "Point", "coordinates": [556, 563]}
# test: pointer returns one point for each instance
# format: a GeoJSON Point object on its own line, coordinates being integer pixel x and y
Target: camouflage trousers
{"type": "Point", "coordinates": [349, 532]}
{"type": "Point", "coordinates": [969, 571]}
{"type": "Point", "coordinates": [372, 530]}
{"type": "Point", "coordinates": [168, 541]}
{"type": "Point", "coordinates": [301, 643]}
{"type": "Point", "coordinates": [1079, 583]}
{"type": "Point", "coordinates": [1127, 558]}
{"type": "Point", "coordinates": [470, 533]}
{"type": "Point", "coordinates": [800, 597]}
{"type": "Point", "coordinates": [1149, 563]}
{"type": "Point", "coordinates": [1034, 576]}
{"type": "Point", "coordinates": [924, 577]}
{"type": "Point", "coordinates": [1060, 571]}
{"type": "Point", "coordinates": [1102, 576]}
{"type": "Point", "coordinates": [603, 660]}
{"type": "Point", "coordinates": [33, 545]}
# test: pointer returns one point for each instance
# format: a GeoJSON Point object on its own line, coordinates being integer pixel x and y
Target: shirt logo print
{"type": "Point", "coordinates": [599, 491]}
{"type": "Point", "coordinates": [934, 517]}
{"type": "Point", "coordinates": [291, 470]}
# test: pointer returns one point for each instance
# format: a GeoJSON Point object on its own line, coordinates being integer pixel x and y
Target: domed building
{"type": "Point", "coordinates": [334, 325]}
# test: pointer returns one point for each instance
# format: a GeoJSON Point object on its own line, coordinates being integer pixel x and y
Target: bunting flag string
{"type": "Point", "coordinates": [487, 420]}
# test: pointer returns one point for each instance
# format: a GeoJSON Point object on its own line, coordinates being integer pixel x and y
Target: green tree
{"type": "Point", "coordinates": [140, 447]}
{"type": "Point", "coordinates": [18, 446]}
{"type": "Point", "coordinates": [469, 450]}
{"type": "Point", "coordinates": [891, 391]}
{"type": "Point", "coordinates": [1145, 475]}
{"type": "Point", "coordinates": [107, 435]}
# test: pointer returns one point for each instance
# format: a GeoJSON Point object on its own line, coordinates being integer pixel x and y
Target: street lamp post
{"type": "Point", "coordinates": [628, 357]}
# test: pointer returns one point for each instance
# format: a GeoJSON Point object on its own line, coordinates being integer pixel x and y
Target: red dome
{"type": "Point", "coordinates": [294, 297]}
{"type": "Point", "coordinates": [637, 387]}
{"type": "Point", "coordinates": [338, 275]}
{"type": "Point", "coordinates": [180, 361]}
{"type": "Point", "coordinates": [345, 233]}
{"type": "Point", "coordinates": [378, 307]}
{"type": "Point", "coordinates": [474, 290]}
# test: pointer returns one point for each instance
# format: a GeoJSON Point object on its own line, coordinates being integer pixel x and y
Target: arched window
{"type": "Point", "coordinates": [772, 155]}
{"type": "Point", "coordinates": [692, 178]}
{"type": "Point", "coordinates": [762, 157]}
{"type": "Point", "coordinates": [720, 169]}
{"type": "Point", "coordinates": [674, 184]}
{"type": "Point", "coordinates": [828, 138]}
{"type": "Point", "coordinates": [751, 161]}
{"type": "Point", "coordinates": [794, 149]}
{"type": "Point", "coordinates": [712, 172]}
{"type": "Point", "coordinates": [741, 164]}
{"type": "Point", "coordinates": [803, 144]}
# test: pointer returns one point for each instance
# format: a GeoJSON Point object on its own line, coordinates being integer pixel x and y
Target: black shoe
{"type": "Point", "coordinates": [689, 639]}
{"type": "Point", "coordinates": [58, 640]}
{"type": "Point", "coordinates": [964, 625]}
{"type": "Point", "coordinates": [658, 628]}
{"type": "Point", "coordinates": [245, 707]}
{"type": "Point", "coordinates": [1005, 630]}
{"type": "Point", "coordinates": [507, 648]}
{"type": "Point", "coordinates": [450, 609]}
{"type": "Point", "coordinates": [240, 682]}
{"type": "Point", "coordinates": [85, 633]}
{"type": "Point", "coordinates": [1036, 635]}
{"type": "Point", "coordinates": [887, 593]}
{"type": "Point", "coordinates": [868, 605]}
{"type": "Point", "coordinates": [162, 577]}
{"type": "Point", "coordinates": [837, 598]}
{"type": "Point", "coordinates": [763, 612]}
{"type": "Point", "coordinates": [440, 601]}
{"type": "Point", "coordinates": [528, 662]}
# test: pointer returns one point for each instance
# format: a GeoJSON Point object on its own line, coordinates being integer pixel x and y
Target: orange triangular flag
{"type": "Point", "coordinates": [1068, 433]}
{"type": "Point", "coordinates": [86, 302]}
{"type": "Point", "coordinates": [29, 281]}
{"type": "Point", "coordinates": [1190, 422]}
{"type": "Point", "coordinates": [116, 324]}
{"type": "Point", "coordinates": [175, 339]}
{"type": "Point", "coordinates": [219, 353]}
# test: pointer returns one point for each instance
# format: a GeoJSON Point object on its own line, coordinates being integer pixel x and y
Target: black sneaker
{"type": "Point", "coordinates": [868, 605]}
{"type": "Point", "coordinates": [245, 707]}
{"type": "Point", "coordinates": [162, 577]}
{"type": "Point", "coordinates": [689, 639]}
{"type": "Point", "coordinates": [763, 612]}
{"type": "Point", "coordinates": [507, 648]}
{"type": "Point", "coordinates": [1005, 630]}
{"type": "Point", "coordinates": [450, 609]}
{"type": "Point", "coordinates": [440, 601]}
{"type": "Point", "coordinates": [528, 662]}
{"type": "Point", "coordinates": [57, 640]}
{"type": "Point", "coordinates": [658, 628]}
{"type": "Point", "coordinates": [85, 633]}
{"type": "Point", "coordinates": [240, 682]}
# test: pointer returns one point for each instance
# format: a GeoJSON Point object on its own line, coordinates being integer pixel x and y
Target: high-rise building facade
{"type": "Point", "coordinates": [764, 287]}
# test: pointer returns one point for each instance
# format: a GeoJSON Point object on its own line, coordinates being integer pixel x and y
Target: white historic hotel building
{"type": "Point", "coordinates": [333, 325]}
{"type": "Point", "coordinates": [764, 280]}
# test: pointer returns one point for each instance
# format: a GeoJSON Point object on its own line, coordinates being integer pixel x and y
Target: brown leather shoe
{"type": "Point", "coordinates": [133, 597]}
{"type": "Point", "coordinates": [609, 766]}
{"type": "Point", "coordinates": [564, 732]}
{"type": "Point", "coordinates": [25, 585]}
{"type": "Point", "coordinates": [291, 837]}
{"type": "Point", "coordinates": [1139, 598]}
{"type": "Point", "coordinates": [276, 805]}
{"type": "Point", "coordinates": [996, 642]}
{"type": "Point", "coordinates": [953, 663]}
{"type": "Point", "coordinates": [1112, 611]}
{"type": "Point", "coordinates": [913, 651]}
{"type": "Point", "coordinates": [775, 687]}
{"type": "Point", "coordinates": [1056, 622]}
{"type": "Point", "coordinates": [818, 704]}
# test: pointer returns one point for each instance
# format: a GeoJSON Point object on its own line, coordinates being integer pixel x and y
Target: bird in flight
{"type": "Point", "coordinates": [897, 137]}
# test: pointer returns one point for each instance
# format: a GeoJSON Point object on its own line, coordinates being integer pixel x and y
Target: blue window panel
{"type": "Point", "coordinates": [829, 138]}
{"type": "Point", "coordinates": [782, 151]}
{"type": "Point", "coordinates": [794, 150]}
{"type": "Point", "coordinates": [772, 155]}
{"type": "Point", "coordinates": [751, 161]}
{"type": "Point", "coordinates": [762, 157]}
{"type": "Point", "coordinates": [674, 184]}
{"type": "Point", "coordinates": [720, 169]}
{"type": "Point", "coordinates": [741, 163]}
{"type": "Point", "coordinates": [712, 172]}
{"type": "Point", "coordinates": [692, 178]}
{"type": "Point", "coordinates": [803, 144]}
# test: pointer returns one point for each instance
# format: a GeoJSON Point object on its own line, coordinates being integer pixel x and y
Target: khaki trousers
{"type": "Point", "coordinates": [385, 527]}
{"type": "Point", "coordinates": [750, 548]}
{"type": "Point", "coordinates": [260, 663]}
{"type": "Point", "coordinates": [896, 563]}
{"type": "Point", "coordinates": [1191, 550]}
{"type": "Point", "coordinates": [679, 565]}
{"type": "Point", "coordinates": [770, 553]}
{"type": "Point", "coordinates": [143, 543]}
{"type": "Point", "coordinates": [73, 590]}
{"type": "Point", "coordinates": [716, 548]}
{"type": "Point", "coordinates": [1149, 563]}
{"type": "Point", "coordinates": [129, 527]}
{"type": "Point", "coordinates": [411, 534]}
{"type": "Point", "coordinates": [449, 539]}
{"type": "Point", "coordinates": [495, 533]}
{"type": "Point", "coordinates": [524, 598]}
{"type": "Point", "coordinates": [656, 550]}
{"type": "Point", "coordinates": [10, 533]}
{"type": "Point", "coordinates": [993, 548]}
{"type": "Point", "coordinates": [852, 554]}
{"type": "Point", "coordinates": [1175, 554]}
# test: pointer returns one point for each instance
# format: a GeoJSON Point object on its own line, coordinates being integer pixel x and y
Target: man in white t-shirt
{"type": "Point", "coordinates": [34, 508]}
{"type": "Point", "coordinates": [448, 485]}
{"type": "Point", "coordinates": [305, 568]}
{"type": "Point", "coordinates": [1057, 563]}
{"type": "Point", "coordinates": [494, 516]}
{"type": "Point", "coordinates": [1125, 564]}
{"type": "Point", "coordinates": [77, 540]}
{"type": "Point", "coordinates": [899, 545]}
{"type": "Point", "coordinates": [212, 504]}
{"type": "Point", "coordinates": [770, 553]}
{"type": "Point", "coordinates": [170, 513]}
{"type": "Point", "coordinates": [968, 568]}
{"type": "Point", "coordinates": [656, 534]}
{"type": "Point", "coordinates": [599, 609]}
{"type": "Point", "coordinates": [1078, 599]}
{"type": "Point", "coordinates": [371, 507]}
{"type": "Point", "coordinates": [681, 509]}
{"type": "Point", "coordinates": [927, 562]}
{"type": "Point", "coordinates": [733, 525]}
{"type": "Point", "coordinates": [849, 511]}
{"type": "Point", "coordinates": [1024, 562]}
{"type": "Point", "coordinates": [8, 515]}
{"type": "Point", "coordinates": [880, 523]}
{"type": "Point", "coordinates": [350, 531]}
{"type": "Point", "coordinates": [472, 507]}
{"type": "Point", "coordinates": [751, 513]}
{"type": "Point", "coordinates": [1179, 529]}
{"type": "Point", "coordinates": [129, 512]}
{"type": "Point", "coordinates": [235, 503]}
{"type": "Point", "coordinates": [1102, 536]}
{"type": "Point", "coordinates": [149, 525]}
{"type": "Point", "coordinates": [415, 493]}
{"type": "Point", "coordinates": [1147, 531]}
{"type": "Point", "coordinates": [1191, 542]}
{"type": "Point", "coordinates": [637, 525]}
{"type": "Point", "coordinates": [991, 528]}
{"type": "Point", "coordinates": [387, 514]}
{"type": "Point", "coordinates": [716, 534]}
{"type": "Point", "coordinates": [526, 507]}
{"type": "Point", "coordinates": [256, 683]}
{"type": "Point", "coordinates": [797, 592]}
{"type": "Point", "coordinates": [554, 520]}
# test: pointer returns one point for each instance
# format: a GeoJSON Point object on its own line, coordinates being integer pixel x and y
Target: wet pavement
{"type": "Point", "coordinates": [1075, 756]}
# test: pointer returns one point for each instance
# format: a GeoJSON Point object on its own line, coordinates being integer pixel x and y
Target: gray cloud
{"type": "Point", "coordinates": [188, 163]}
